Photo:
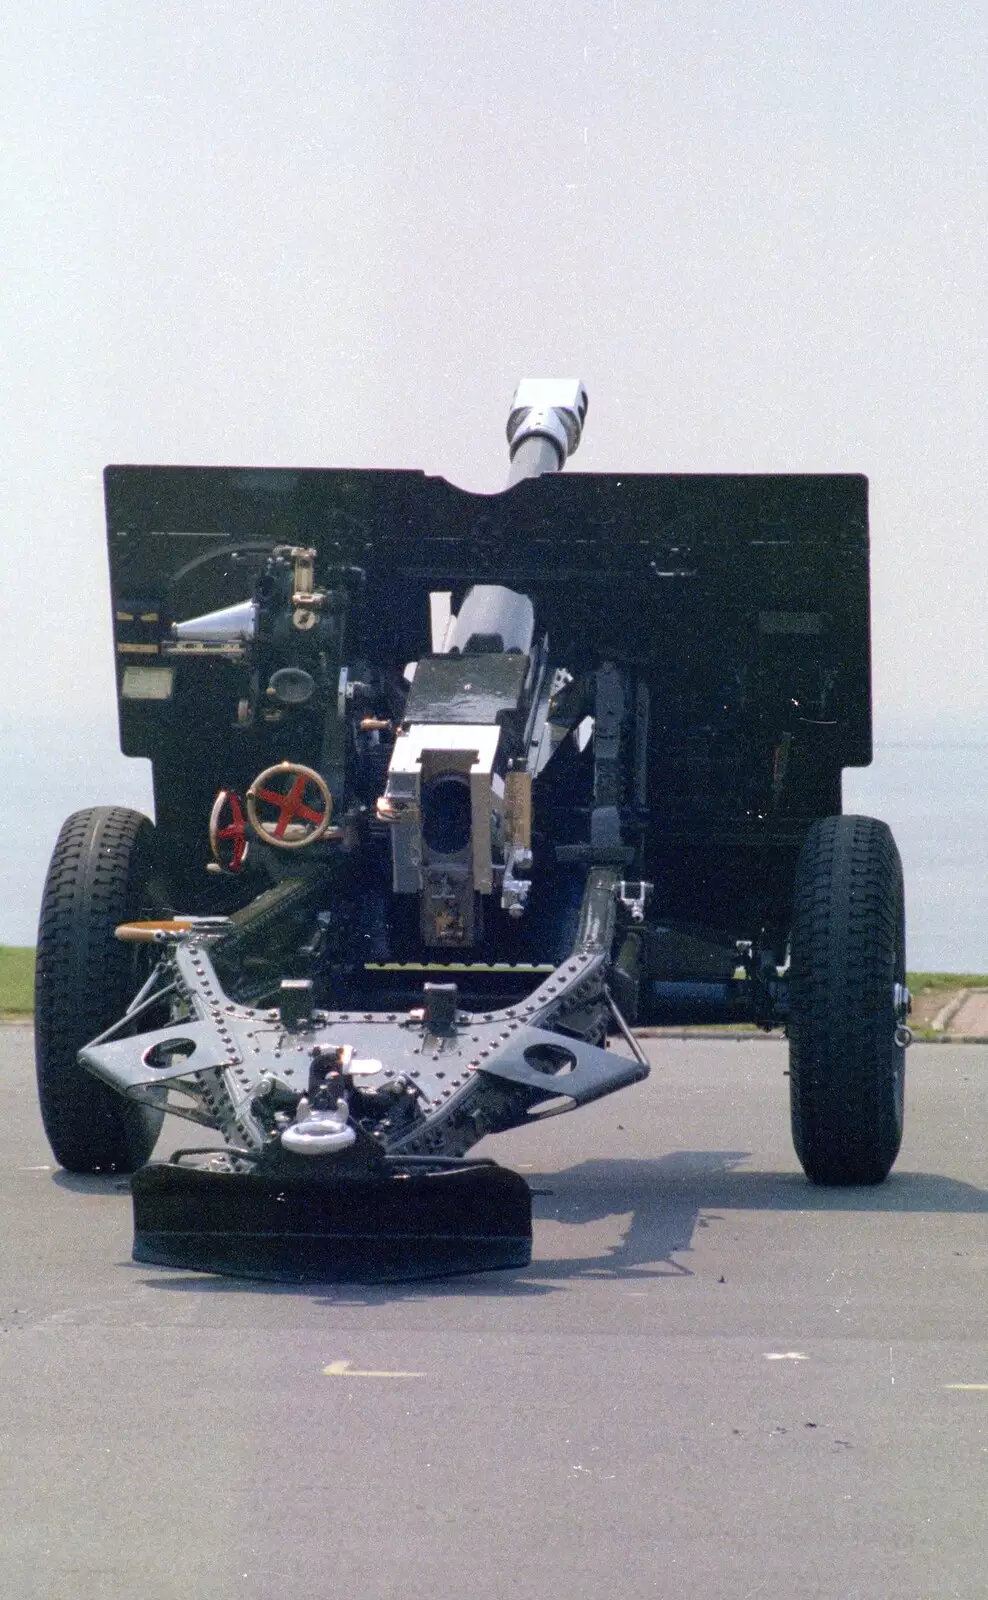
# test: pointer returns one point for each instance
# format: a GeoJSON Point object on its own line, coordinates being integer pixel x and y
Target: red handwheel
{"type": "Point", "coordinates": [303, 807]}
{"type": "Point", "coordinates": [228, 831]}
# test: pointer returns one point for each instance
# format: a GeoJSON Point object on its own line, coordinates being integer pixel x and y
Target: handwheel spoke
{"type": "Point", "coordinates": [293, 799]}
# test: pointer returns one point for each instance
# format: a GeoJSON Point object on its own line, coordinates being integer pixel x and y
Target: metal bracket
{"type": "Point", "coordinates": [632, 897]}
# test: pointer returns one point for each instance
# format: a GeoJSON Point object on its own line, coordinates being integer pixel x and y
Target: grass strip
{"type": "Point", "coordinates": [928, 982]}
{"type": "Point", "coordinates": [16, 981]}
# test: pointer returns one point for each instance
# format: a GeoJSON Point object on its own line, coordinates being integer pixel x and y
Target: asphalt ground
{"type": "Point", "coordinates": [714, 1382]}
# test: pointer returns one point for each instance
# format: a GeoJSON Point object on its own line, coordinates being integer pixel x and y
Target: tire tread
{"type": "Point", "coordinates": [84, 979]}
{"type": "Point", "coordinates": [847, 952]}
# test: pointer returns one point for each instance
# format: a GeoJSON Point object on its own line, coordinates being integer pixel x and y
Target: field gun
{"type": "Point", "coordinates": [454, 793]}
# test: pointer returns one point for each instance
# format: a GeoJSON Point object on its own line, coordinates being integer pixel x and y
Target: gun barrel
{"type": "Point", "coordinates": [545, 425]}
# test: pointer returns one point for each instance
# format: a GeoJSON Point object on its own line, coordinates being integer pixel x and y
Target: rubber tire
{"type": "Point", "coordinates": [84, 981]}
{"type": "Point", "coordinates": [847, 952]}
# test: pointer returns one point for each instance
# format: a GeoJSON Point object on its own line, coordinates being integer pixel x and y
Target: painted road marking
{"type": "Point", "coordinates": [785, 1355]}
{"type": "Point", "coordinates": [343, 1369]}
{"type": "Point", "coordinates": [966, 1386]}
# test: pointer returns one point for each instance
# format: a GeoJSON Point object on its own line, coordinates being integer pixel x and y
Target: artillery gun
{"type": "Point", "coordinates": [451, 791]}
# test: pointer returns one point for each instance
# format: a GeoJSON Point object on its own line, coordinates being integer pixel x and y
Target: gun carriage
{"type": "Point", "coordinates": [451, 791]}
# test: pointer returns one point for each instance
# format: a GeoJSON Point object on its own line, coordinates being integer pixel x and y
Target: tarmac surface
{"type": "Point", "coordinates": [713, 1383]}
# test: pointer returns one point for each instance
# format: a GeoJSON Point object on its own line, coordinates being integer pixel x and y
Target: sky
{"type": "Point", "coordinates": [337, 235]}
